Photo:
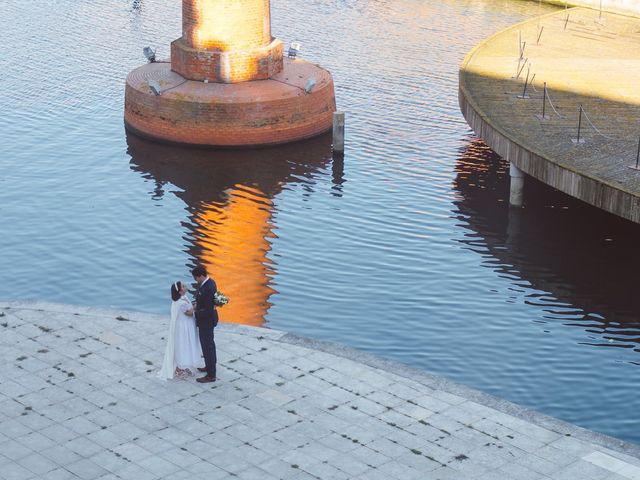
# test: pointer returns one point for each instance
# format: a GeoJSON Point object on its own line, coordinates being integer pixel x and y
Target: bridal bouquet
{"type": "Point", "coordinates": [220, 299]}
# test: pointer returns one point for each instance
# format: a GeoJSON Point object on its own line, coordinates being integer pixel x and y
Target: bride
{"type": "Point", "coordinates": [183, 354]}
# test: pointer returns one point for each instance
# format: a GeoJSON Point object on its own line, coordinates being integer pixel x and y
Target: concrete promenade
{"type": "Point", "coordinates": [79, 399]}
{"type": "Point", "coordinates": [585, 59]}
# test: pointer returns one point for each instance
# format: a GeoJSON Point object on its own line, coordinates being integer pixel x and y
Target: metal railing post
{"type": "Point", "coordinates": [579, 124]}
{"type": "Point", "coordinates": [524, 90]}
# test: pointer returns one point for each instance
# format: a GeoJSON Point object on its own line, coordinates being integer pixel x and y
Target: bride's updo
{"type": "Point", "coordinates": [175, 291]}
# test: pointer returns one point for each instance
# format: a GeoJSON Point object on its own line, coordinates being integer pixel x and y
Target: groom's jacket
{"type": "Point", "coordinates": [206, 314]}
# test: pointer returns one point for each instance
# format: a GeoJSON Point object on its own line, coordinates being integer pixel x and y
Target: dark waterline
{"type": "Point", "coordinates": [406, 249]}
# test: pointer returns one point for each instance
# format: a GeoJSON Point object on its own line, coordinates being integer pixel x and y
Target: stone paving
{"type": "Point", "coordinates": [79, 399]}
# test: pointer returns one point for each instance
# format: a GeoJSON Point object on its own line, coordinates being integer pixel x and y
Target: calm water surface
{"type": "Point", "coordinates": [406, 248]}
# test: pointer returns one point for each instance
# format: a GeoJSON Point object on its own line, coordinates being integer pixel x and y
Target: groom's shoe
{"type": "Point", "coordinates": [203, 369]}
{"type": "Point", "coordinates": [206, 379]}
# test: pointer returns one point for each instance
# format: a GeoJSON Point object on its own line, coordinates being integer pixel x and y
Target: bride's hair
{"type": "Point", "coordinates": [175, 291]}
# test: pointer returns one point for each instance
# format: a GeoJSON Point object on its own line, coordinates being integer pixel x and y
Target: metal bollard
{"type": "Point", "coordinates": [577, 140]}
{"type": "Point", "coordinates": [600, 20]}
{"type": "Point", "coordinates": [544, 103]}
{"type": "Point", "coordinates": [338, 133]}
{"type": "Point", "coordinates": [521, 44]}
{"type": "Point", "coordinates": [637, 165]}
{"type": "Point", "coordinates": [524, 90]}
{"type": "Point", "coordinates": [522, 68]}
{"type": "Point", "coordinates": [579, 123]}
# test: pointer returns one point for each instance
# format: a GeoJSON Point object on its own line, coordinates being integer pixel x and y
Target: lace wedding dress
{"type": "Point", "coordinates": [183, 349]}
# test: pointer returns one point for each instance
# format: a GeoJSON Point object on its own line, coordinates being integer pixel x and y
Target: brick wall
{"type": "Point", "coordinates": [226, 24]}
{"type": "Point", "coordinates": [220, 122]}
{"type": "Point", "coordinates": [226, 67]}
{"type": "Point", "coordinates": [226, 41]}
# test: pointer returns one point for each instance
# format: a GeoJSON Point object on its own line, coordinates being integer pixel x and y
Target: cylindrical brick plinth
{"type": "Point", "coordinates": [268, 112]}
{"type": "Point", "coordinates": [228, 83]}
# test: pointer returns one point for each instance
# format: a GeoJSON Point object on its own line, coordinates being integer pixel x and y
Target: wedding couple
{"type": "Point", "coordinates": [183, 354]}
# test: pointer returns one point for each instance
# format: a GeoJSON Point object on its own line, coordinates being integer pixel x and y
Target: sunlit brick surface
{"type": "Point", "coordinates": [226, 67]}
{"type": "Point", "coordinates": [228, 84]}
{"type": "Point", "coordinates": [226, 41]}
{"type": "Point", "coordinates": [249, 113]}
{"type": "Point", "coordinates": [226, 24]}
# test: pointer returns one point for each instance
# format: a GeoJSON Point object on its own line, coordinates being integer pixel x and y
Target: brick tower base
{"type": "Point", "coordinates": [252, 113]}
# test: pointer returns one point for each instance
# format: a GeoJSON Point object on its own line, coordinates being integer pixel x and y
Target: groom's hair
{"type": "Point", "coordinates": [198, 271]}
{"type": "Point", "coordinates": [175, 291]}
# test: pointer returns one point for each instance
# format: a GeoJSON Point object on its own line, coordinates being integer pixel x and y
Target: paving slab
{"type": "Point", "coordinates": [80, 398]}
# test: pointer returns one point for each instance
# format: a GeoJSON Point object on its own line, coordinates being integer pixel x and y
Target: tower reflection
{"type": "Point", "coordinates": [229, 196]}
{"type": "Point", "coordinates": [570, 259]}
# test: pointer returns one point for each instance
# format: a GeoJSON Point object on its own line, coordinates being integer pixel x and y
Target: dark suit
{"type": "Point", "coordinates": [206, 320]}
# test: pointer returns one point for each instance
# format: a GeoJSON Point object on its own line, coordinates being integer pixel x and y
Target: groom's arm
{"type": "Point", "coordinates": [205, 302]}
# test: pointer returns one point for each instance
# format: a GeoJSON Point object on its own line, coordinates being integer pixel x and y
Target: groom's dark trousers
{"type": "Point", "coordinates": [206, 320]}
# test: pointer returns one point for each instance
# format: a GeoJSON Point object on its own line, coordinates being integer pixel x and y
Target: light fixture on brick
{"type": "Point", "coordinates": [149, 53]}
{"type": "Point", "coordinates": [294, 49]}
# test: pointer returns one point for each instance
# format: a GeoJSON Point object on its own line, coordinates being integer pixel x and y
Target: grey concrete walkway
{"type": "Point", "coordinates": [79, 399]}
{"type": "Point", "coordinates": [585, 60]}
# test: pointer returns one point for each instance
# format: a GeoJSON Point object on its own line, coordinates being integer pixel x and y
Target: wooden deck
{"type": "Point", "coordinates": [588, 60]}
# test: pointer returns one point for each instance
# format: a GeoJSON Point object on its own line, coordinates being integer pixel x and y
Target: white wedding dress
{"type": "Point", "coordinates": [183, 346]}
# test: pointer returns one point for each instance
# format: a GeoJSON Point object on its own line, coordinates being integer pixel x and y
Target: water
{"type": "Point", "coordinates": [406, 249]}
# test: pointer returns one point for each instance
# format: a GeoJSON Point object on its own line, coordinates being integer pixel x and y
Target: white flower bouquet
{"type": "Point", "coordinates": [220, 299]}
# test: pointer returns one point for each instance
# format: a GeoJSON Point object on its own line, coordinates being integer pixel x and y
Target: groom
{"type": "Point", "coordinates": [206, 319]}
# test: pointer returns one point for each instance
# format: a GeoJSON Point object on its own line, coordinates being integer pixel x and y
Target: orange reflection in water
{"type": "Point", "coordinates": [233, 238]}
{"type": "Point", "coordinates": [229, 196]}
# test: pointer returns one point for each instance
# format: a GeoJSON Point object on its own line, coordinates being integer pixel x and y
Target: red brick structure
{"type": "Point", "coordinates": [228, 84]}
{"type": "Point", "coordinates": [226, 41]}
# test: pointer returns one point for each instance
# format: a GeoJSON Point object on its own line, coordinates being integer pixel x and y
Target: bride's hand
{"type": "Point", "coordinates": [189, 312]}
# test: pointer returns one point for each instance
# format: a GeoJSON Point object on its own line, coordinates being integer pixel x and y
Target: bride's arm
{"type": "Point", "coordinates": [187, 309]}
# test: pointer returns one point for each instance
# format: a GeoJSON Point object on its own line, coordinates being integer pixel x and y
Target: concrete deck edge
{"type": "Point", "coordinates": [592, 190]}
{"type": "Point", "coordinates": [368, 359]}
{"type": "Point", "coordinates": [595, 192]}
